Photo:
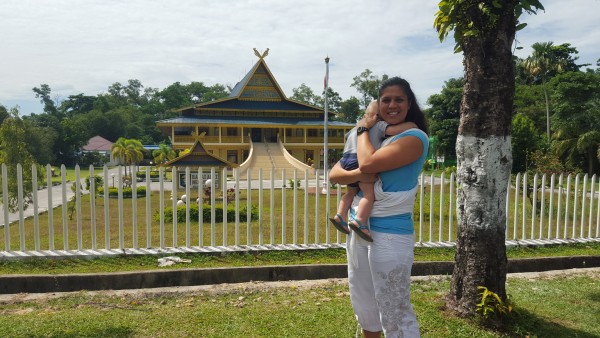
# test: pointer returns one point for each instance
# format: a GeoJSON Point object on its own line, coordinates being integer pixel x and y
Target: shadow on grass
{"type": "Point", "coordinates": [116, 331]}
{"type": "Point", "coordinates": [527, 324]}
{"type": "Point", "coordinates": [595, 297]}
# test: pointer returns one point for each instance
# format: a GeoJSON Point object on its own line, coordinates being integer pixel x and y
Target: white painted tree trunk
{"type": "Point", "coordinates": [483, 171]}
{"type": "Point", "coordinates": [482, 174]}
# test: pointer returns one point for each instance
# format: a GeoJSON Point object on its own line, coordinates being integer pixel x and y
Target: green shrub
{"type": "Point", "coordinates": [98, 182]}
{"type": "Point", "coordinates": [450, 170]}
{"type": "Point", "coordinates": [153, 175]}
{"type": "Point", "coordinates": [492, 304]}
{"type": "Point", "coordinates": [293, 183]}
{"type": "Point", "coordinates": [168, 212]}
{"type": "Point", "coordinates": [127, 192]}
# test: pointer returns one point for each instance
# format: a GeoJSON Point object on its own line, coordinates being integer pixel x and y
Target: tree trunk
{"type": "Point", "coordinates": [484, 160]}
{"type": "Point", "coordinates": [547, 107]}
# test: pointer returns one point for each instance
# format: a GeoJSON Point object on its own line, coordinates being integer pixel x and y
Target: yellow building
{"type": "Point", "coordinates": [256, 112]}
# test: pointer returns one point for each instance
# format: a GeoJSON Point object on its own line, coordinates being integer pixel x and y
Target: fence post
{"type": "Point", "coordinates": [441, 219]}
{"type": "Point", "coordinates": [295, 208]}
{"type": "Point", "coordinates": [188, 202]}
{"type": "Point", "coordinates": [551, 207]}
{"type": "Point", "coordinates": [63, 173]}
{"type": "Point", "coordinates": [92, 191]}
{"type": "Point", "coordinates": [237, 206]}
{"type": "Point", "coordinates": [20, 205]}
{"type": "Point", "coordinates": [200, 203]}
{"type": "Point", "coordinates": [249, 206]}
{"type": "Point", "coordinates": [592, 194]}
{"type": "Point", "coordinates": [148, 208]}
{"type": "Point", "coordinates": [283, 207]}
{"type": "Point", "coordinates": [77, 198]}
{"type": "Point", "coordinates": [5, 205]}
{"type": "Point", "coordinates": [36, 221]}
{"type": "Point", "coordinates": [306, 206]}
{"type": "Point", "coordinates": [120, 205]}
{"type": "Point", "coordinates": [575, 204]}
{"type": "Point", "coordinates": [543, 206]}
{"type": "Point", "coordinates": [174, 199]}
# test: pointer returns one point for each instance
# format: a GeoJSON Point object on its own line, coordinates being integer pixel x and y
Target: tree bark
{"type": "Point", "coordinates": [484, 161]}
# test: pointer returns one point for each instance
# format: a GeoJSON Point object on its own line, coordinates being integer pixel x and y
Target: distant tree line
{"type": "Point", "coordinates": [556, 113]}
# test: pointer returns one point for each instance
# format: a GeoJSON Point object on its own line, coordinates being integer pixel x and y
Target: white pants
{"type": "Point", "coordinates": [380, 284]}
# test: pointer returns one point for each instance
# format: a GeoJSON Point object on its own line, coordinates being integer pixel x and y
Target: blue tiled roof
{"type": "Point", "coordinates": [241, 120]}
{"type": "Point", "coordinates": [258, 105]}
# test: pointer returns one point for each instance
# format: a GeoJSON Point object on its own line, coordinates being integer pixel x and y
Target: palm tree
{"type": "Point", "coordinates": [128, 151]}
{"type": "Point", "coordinates": [541, 62]}
{"type": "Point", "coordinates": [119, 150]}
{"type": "Point", "coordinates": [163, 154]}
{"type": "Point", "coordinates": [585, 144]}
{"type": "Point", "coordinates": [576, 118]}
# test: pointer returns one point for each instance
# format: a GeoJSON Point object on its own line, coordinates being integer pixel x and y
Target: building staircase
{"type": "Point", "coordinates": [268, 155]}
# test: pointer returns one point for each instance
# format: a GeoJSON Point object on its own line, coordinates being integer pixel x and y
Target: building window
{"type": "Point", "coordinates": [183, 131]}
{"type": "Point", "coordinates": [232, 132]}
{"type": "Point", "coordinates": [232, 156]}
{"type": "Point", "coordinates": [299, 132]}
{"type": "Point", "coordinates": [312, 133]}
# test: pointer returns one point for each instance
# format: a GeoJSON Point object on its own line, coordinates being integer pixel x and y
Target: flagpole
{"type": "Point", "coordinates": [326, 134]}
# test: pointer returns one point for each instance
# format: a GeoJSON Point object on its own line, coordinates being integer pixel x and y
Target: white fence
{"type": "Point", "coordinates": [289, 212]}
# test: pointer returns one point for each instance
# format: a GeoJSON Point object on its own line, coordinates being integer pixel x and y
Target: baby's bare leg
{"type": "Point", "coordinates": [365, 205]}
{"type": "Point", "coordinates": [346, 203]}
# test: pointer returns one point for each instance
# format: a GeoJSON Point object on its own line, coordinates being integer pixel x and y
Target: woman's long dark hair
{"type": "Point", "coordinates": [415, 114]}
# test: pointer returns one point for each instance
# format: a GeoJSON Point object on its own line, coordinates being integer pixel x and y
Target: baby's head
{"type": "Point", "coordinates": [373, 108]}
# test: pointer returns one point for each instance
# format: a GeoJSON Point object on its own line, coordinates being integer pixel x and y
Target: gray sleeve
{"type": "Point", "coordinates": [377, 133]}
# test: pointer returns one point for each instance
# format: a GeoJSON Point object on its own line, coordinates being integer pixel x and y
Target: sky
{"type": "Point", "coordinates": [84, 46]}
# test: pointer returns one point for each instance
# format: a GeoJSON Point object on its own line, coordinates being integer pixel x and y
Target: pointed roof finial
{"type": "Point", "coordinates": [264, 54]}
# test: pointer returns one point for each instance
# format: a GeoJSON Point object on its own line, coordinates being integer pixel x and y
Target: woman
{"type": "Point", "coordinates": [379, 272]}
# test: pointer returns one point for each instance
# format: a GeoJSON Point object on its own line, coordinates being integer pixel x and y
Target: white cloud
{"type": "Point", "coordinates": [85, 46]}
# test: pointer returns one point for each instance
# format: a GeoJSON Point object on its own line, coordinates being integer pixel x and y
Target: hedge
{"type": "Point", "coordinates": [168, 212]}
{"type": "Point", "coordinates": [127, 192]}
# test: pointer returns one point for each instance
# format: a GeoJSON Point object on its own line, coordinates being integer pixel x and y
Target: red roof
{"type": "Point", "coordinates": [98, 143]}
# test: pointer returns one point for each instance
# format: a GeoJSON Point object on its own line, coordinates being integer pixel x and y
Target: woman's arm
{"type": "Point", "coordinates": [394, 155]}
{"type": "Point", "coordinates": [338, 175]}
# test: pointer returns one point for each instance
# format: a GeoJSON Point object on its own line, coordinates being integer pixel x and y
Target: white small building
{"type": "Point", "coordinates": [100, 145]}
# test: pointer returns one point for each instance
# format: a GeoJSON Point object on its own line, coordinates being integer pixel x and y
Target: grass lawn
{"type": "Point", "coordinates": [546, 307]}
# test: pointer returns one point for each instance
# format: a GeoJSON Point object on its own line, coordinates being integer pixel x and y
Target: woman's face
{"type": "Point", "coordinates": [393, 105]}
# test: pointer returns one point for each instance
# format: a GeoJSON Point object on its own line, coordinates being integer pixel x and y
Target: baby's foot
{"type": "Point", "coordinates": [361, 230]}
{"type": "Point", "coordinates": [339, 223]}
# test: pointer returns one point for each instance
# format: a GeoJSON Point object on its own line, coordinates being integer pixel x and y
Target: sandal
{"type": "Point", "coordinates": [340, 225]}
{"type": "Point", "coordinates": [358, 228]}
